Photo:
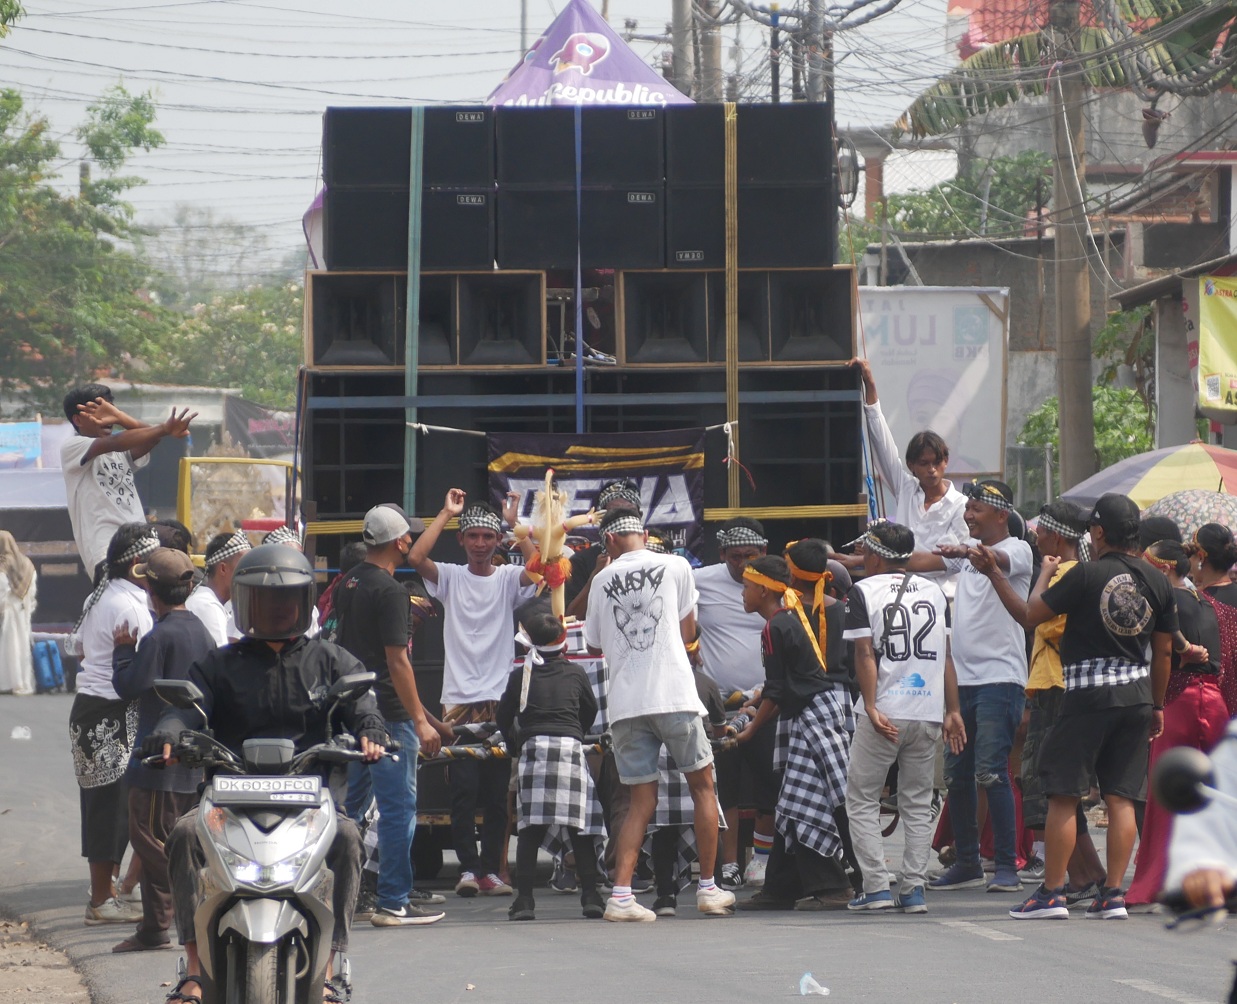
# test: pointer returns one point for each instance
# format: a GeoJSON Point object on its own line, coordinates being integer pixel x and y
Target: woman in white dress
{"type": "Point", "coordinates": [17, 589]}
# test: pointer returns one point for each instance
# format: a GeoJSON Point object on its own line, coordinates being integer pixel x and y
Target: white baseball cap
{"type": "Point", "coordinates": [387, 522]}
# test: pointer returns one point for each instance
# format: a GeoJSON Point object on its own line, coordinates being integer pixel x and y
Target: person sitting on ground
{"type": "Point", "coordinates": [814, 721]}
{"type": "Point", "coordinates": [544, 713]}
{"type": "Point", "coordinates": [268, 685]}
{"type": "Point", "coordinates": [157, 798]}
{"type": "Point", "coordinates": [211, 601]}
{"type": "Point", "coordinates": [900, 627]}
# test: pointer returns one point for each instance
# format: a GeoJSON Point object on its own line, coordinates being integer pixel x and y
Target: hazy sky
{"type": "Point", "coordinates": [241, 85]}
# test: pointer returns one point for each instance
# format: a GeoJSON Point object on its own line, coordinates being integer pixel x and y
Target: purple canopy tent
{"type": "Point", "coordinates": [580, 60]}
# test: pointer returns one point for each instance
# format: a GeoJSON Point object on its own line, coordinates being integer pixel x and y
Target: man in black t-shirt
{"type": "Point", "coordinates": [1118, 608]}
{"type": "Point", "coordinates": [374, 615]}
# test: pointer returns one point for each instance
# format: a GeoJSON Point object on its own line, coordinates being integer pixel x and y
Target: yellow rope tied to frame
{"type": "Point", "coordinates": [791, 599]}
{"type": "Point", "coordinates": [731, 113]}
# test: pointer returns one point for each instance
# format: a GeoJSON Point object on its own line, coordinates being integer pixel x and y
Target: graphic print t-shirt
{"type": "Point", "coordinates": [1112, 605]}
{"type": "Point", "coordinates": [101, 496]}
{"type": "Point", "coordinates": [634, 608]}
{"type": "Point", "coordinates": [910, 672]}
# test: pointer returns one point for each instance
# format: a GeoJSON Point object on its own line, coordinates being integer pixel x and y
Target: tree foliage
{"type": "Point", "coordinates": [10, 11]}
{"type": "Point", "coordinates": [246, 338]}
{"type": "Point", "coordinates": [987, 197]}
{"type": "Point", "coordinates": [71, 300]}
{"type": "Point", "coordinates": [1122, 428]}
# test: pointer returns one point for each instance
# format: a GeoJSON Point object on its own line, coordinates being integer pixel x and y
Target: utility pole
{"type": "Point", "coordinates": [681, 41]}
{"type": "Point", "coordinates": [775, 56]}
{"type": "Point", "coordinates": [714, 80]}
{"type": "Point", "coordinates": [523, 27]}
{"type": "Point", "coordinates": [1073, 281]}
{"type": "Point", "coordinates": [814, 41]}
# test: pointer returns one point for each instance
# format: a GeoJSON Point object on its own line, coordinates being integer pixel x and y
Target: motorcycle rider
{"type": "Point", "coordinates": [271, 684]}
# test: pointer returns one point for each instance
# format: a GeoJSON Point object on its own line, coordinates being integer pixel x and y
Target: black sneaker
{"type": "Point", "coordinates": [666, 906]}
{"type": "Point", "coordinates": [592, 905]}
{"type": "Point", "coordinates": [366, 904]}
{"type": "Point", "coordinates": [423, 897]}
{"type": "Point", "coordinates": [1074, 896]}
{"type": "Point", "coordinates": [408, 915]}
{"type": "Point", "coordinates": [522, 908]}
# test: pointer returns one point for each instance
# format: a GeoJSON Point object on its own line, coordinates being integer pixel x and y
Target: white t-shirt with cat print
{"type": "Point", "coordinates": [635, 605]}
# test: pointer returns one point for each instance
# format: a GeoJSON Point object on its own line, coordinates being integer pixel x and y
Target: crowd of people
{"type": "Point", "coordinates": [950, 649]}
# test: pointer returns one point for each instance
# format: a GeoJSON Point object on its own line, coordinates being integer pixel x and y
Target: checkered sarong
{"type": "Point", "coordinates": [555, 787]}
{"type": "Point", "coordinates": [1103, 673]}
{"type": "Point", "coordinates": [369, 837]}
{"type": "Point", "coordinates": [813, 751]}
{"type": "Point", "coordinates": [675, 808]}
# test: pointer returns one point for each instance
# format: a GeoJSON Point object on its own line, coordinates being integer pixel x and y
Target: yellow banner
{"type": "Point", "coordinates": [1217, 347]}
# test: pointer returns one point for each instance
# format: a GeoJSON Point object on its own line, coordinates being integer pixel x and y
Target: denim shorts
{"type": "Point", "coordinates": [638, 742]}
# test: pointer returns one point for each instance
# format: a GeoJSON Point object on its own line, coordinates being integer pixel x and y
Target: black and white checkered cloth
{"type": "Point", "coordinates": [675, 808]}
{"type": "Point", "coordinates": [1103, 673]}
{"type": "Point", "coordinates": [813, 751]}
{"type": "Point", "coordinates": [369, 837]}
{"type": "Point", "coordinates": [555, 787]}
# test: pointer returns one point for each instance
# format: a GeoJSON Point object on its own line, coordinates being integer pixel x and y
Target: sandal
{"type": "Point", "coordinates": [177, 996]}
{"type": "Point", "coordinates": [331, 994]}
{"type": "Point", "coordinates": [135, 944]}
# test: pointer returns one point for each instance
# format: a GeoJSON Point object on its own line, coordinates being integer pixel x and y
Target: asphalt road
{"type": "Point", "coordinates": [966, 949]}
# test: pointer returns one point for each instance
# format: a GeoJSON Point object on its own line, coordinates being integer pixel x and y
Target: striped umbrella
{"type": "Point", "coordinates": [1150, 476]}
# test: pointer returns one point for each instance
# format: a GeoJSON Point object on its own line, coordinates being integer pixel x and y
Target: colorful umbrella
{"type": "Point", "coordinates": [1193, 507]}
{"type": "Point", "coordinates": [1148, 477]}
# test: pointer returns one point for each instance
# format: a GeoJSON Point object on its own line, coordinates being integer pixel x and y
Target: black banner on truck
{"type": "Point", "coordinates": [668, 467]}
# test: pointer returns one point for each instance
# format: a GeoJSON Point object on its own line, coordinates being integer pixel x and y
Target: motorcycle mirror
{"type": "Point", "coordinates": [352, 686]}
{"type": "Point", "coordinates": [178, 693]}
{"type": "Point", "coordinates": [1179, 778]}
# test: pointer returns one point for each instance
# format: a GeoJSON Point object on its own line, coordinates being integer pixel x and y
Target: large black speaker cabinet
{"type": "Point", "coordinates": [665, 317]}
{"type": "Point", "coordinates": [502, 319]}
{"type": "Point", "coordinates": [366, 147]}
{"type": "Point", "coordinates": [783, 144]}
{"type": "Point", "coordinates": [753, 317]}
{"type": "Point", "coordinates": [620, 228]}
{"type": "Point", "coordinates": [370, 147]}
{"type": "Point", "coordinates": [356, 320]}
{"type": "Point", "coordinates": [367, 229]}
{"type": "Point", "coordinates": [620, 147]}
{"type": "Point", "coordinates": [811, 315]}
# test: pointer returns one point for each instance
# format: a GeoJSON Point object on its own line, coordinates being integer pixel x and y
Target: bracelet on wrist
{"type": "Point", "coordinates": [1157, 707]}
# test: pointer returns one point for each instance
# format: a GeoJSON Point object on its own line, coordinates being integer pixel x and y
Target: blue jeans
{"type": "Point", "coordinates": [394, 785]}
{"type": "Point", "coordinates": [991, 713]}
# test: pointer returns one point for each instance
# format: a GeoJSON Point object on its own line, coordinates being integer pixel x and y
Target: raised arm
{"type": "Point", "coordinates": [139, 441]}
{"type": "Point", "coordinates": [419, 557]}
{"type": "Point", "coordinates": [1030, 613]}
{"type": "Point", "coordinates": [885, 453]}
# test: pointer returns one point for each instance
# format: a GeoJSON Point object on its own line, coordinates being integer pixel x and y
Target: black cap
{"type": "Point", "coordinates": [1156, 528]}
{"type": "Point", "coordinates": [1117, 515]}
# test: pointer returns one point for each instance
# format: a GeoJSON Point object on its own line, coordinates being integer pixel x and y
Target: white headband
{"type": "Point", "coordinates": [533, 657]}
{"type": "Point", "coordinates": [873, 544]}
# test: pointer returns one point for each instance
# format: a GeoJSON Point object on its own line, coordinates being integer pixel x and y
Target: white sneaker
{"type": "Point", "coordinates": [112, 911]}
{"type": "Point", "coordinates": [467, 886]}
{"type": "Point", "coordinates": [716, 901]}
{"type": "Point", "coordinates": [134, 895]}
{"type": "Point", "coordinates": [629, 910]}
{"type": "Point", "coordinates": [755, 874]}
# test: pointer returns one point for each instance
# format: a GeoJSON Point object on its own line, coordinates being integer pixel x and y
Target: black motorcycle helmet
{"type": "Point", "coordinates": [273, 593]}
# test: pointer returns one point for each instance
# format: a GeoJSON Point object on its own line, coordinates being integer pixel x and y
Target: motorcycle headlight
{"type": "Point", "coordinates": [232, 844]}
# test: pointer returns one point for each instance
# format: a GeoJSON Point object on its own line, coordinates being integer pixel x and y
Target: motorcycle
{"type": "Point", "coordinates": [1183, 781]}
{"type": "Point", "coordinates": [265, 824]}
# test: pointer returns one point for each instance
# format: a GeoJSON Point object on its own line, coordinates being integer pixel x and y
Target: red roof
{"type": "Point", "coordinates": [992, 21]}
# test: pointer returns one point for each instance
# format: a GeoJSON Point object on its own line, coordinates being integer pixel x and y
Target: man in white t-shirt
{"type": "Point", "coordinates": [990, 656]}
{"type": "Point", "coordinates": [641, 616]}
{"type": "Point", "coordinates": [478, 601]}
{"type": "Point", "coordinates": [909, 690]}
{"type": "Point", "coordinates": [729, 654]}
{"type": "Point", "coordinates": [924, 500]}
{"type": "Point", "coordinates": [211, 601]}
{"type": "Point", "coordinates": [98, 466]}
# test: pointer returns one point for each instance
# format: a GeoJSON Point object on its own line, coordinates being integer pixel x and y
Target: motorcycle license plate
{"type": "Point", "coordinates": [303, 789]}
